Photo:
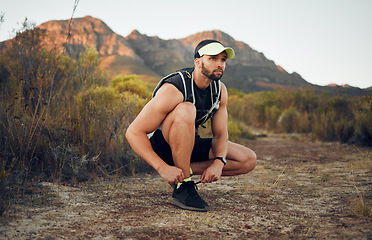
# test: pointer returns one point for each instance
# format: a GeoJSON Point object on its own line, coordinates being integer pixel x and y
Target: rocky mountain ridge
{"type": "Point", "coordinates": [151, 57]}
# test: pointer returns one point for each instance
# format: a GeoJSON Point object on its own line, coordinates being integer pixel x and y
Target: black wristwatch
{"type": "Point", "coordinates": [222, 160]}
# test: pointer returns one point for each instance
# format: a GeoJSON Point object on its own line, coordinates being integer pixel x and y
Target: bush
{"type": "Point", "coordinates": [363, 120]}
{"type": "Point", "coordinates": [343, 119]}
{"type": "Point", "coordinates": [101, 119]}
{"type": "Point", "coordinates": [238, 130]}
{"type": "Point", "coordinates": [131, 83]}
{"type": "Point", "coordinates": [60, 119]}
{"type": "Point", "coordinates": [272, 115]}
{"type": "Point", "coordinates": [234, 130]}
{"type": "Point", "coordinates": [344, 130]}
{"type": "Point", "coordinates": [288, 120]}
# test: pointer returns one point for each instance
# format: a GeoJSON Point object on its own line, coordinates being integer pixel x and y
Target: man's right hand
{"type": "Point", "coordinates": [171, 174]}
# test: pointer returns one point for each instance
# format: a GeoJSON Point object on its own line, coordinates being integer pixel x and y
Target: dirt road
{"type": "Point", "coordinates": [299, 190]}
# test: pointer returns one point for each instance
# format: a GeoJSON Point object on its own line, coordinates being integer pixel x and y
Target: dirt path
{"type": "Point", "coordinates": [298, 190]}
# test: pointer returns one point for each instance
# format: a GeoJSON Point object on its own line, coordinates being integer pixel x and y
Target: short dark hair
{"type": "Point", "coordinates": [202, 44]}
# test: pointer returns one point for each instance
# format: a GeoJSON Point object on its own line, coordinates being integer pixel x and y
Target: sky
{"type": "Point", "coordinates": [325, 41]}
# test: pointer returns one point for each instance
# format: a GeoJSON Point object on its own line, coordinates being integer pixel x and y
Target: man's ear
{"type": "Point", "coordinates": [197, 62]}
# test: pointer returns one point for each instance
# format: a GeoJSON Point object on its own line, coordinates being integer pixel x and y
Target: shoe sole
{"type": "Point", "coordinates": [177, 203]}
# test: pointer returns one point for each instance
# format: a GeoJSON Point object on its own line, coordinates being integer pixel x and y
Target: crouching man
{"type": "Point", "coordinates": [165, 133]}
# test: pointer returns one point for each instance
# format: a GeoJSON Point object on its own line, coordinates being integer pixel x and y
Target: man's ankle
{"type": "Point", "coordinates": [184, 180]}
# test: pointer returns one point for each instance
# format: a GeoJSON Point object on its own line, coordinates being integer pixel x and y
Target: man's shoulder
{"type": "Point", "coordinates": [176, 81]}
{"type": "Point", "coordinates": [179, 74]}
{"type": "Point", "coordinates": [188, 71]}
{"type": "Point", "coordinates": [174, 78]}
{"type": "Point", "coordinates": [179, 79]}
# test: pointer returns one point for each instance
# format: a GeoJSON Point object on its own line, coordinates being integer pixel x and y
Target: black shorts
{"type": "Point", "coordinates": [200, 152]}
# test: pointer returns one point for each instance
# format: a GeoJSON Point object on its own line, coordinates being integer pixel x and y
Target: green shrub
{"type": "Point", "coordinates": [245, 132]}
{"type": "Point", "coordinates": [234, 130]}
{"type": "Point", "coordinates": [304, 123]}
{"type": "Point", "coordinates": [344, 130]}
{"type": "Point", "coordinates": [344, 119]}
{"type": "Point", "coordinates": [131, 83]}
{"type": "Point", "coordinates": [272, 115]}
{"type": "Point", "coordinates": [288, 120]}
{"type": "Point", "coordinates": [102, 115]}
{"type": "Point", "coordinates": [238, 130]}
{"type": "Point", "coordinates": [363, 126]}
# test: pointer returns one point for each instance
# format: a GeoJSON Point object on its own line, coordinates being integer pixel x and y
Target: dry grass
{"type": "Point", "coordinates": [286, 196]}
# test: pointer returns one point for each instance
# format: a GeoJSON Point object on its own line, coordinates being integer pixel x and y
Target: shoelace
{"type": "Point", "coordinates": [195, 183]}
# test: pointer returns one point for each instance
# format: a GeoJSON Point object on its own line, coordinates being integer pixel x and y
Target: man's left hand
{"type": "Point", "coordinates": [213, 172]}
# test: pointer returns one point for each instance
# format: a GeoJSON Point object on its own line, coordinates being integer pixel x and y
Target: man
{"type": "Point", "coordinates": [165, 133]}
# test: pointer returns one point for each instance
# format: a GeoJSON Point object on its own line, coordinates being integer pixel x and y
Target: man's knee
{"type": "Point", "coordinates": [179, 120]}
{"type": "Point", "coordinates": [250, 161]}
{"type": "Point", "coordinates": [184, 113]}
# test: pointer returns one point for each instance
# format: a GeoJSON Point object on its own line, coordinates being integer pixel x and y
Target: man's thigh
{"type": "Point", "coordinates": [236, 152]}
{"type": "Point", "coordinates": [184, 111]}
{"type": "Point", "coordinates": [199, 153]}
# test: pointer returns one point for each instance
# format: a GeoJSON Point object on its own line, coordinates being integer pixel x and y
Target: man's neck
{"type": "Point", "coordinates": [201, 80]}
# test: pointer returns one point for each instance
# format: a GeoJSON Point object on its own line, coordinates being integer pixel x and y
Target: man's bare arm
{"type": "Point", "coordinates": [151, 116]}
{"type": "Point", "coordinates": [219, 126]}
{"type": "Point", "coordinates": [220, 138]}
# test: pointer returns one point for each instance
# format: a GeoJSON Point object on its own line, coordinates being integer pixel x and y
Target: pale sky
{"type": "Point", "coordinates": [325, 41]}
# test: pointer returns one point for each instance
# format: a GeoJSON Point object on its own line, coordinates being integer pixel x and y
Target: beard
{"type": "Point", "coordinates": [210, 74]}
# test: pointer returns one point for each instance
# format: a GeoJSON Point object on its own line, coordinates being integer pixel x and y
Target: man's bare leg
{"type": "Point", "coordinates": [240, 160]}
{"type": "Point", "coordinates": [178, 130]}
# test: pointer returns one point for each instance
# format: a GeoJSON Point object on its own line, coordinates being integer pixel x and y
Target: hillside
{"type": "Point", "coordinates": [151, 57]}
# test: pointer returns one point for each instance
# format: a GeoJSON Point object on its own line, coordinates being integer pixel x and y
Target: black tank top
{"type": "Point", "coordinates": [203, 101]}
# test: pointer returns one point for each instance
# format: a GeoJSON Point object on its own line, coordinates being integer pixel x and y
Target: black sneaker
{"type": "Point", "coordinates": [186, 197]}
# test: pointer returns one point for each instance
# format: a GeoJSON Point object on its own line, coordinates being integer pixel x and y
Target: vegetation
{"type": "Point", "coordinates": [343, 119]}
{"type": "Point", "coordinates": [61, 118]}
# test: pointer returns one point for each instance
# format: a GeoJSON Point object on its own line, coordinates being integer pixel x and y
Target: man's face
{"type": "Point", "coordinates": [213, 66]}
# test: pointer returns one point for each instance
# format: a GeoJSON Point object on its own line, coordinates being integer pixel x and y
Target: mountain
{"type": "Point", "coordinates": [153, 57]}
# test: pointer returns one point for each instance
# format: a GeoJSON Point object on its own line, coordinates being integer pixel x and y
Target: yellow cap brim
{"type": "Point", "coordinates": [216, 48]}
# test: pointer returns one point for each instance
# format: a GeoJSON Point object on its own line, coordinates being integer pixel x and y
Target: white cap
{"type": "Point", "coordinates": [216, 48]}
